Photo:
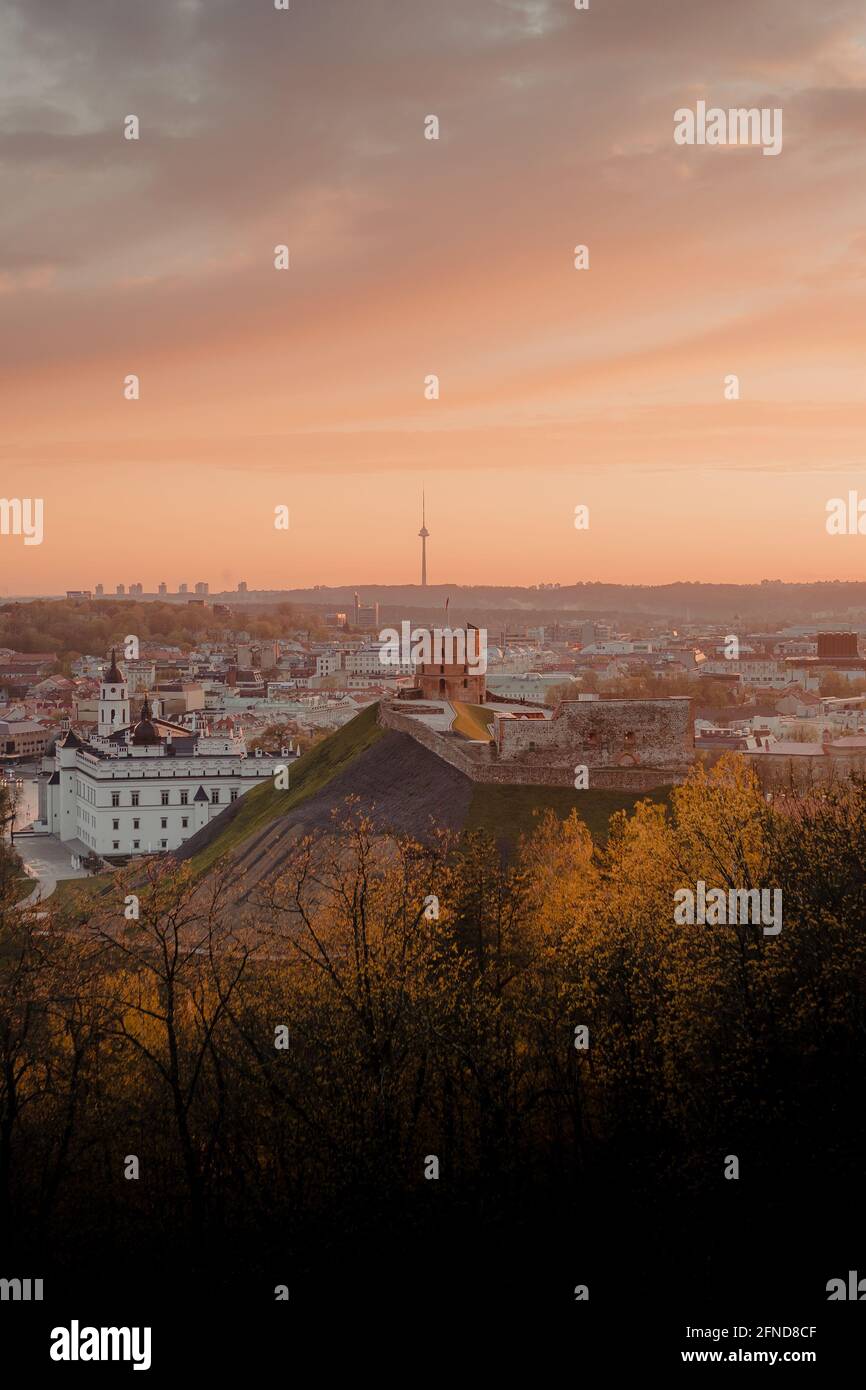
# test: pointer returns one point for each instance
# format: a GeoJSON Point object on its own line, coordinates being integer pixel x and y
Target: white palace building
{"type": "Point", "coordinates": [137, 788]}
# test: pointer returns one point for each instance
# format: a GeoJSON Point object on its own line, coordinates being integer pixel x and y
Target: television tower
{"type": "Point", "coordinates": [423, 533]}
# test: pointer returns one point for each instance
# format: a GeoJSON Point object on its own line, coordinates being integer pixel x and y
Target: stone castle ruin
{"type": "Point", "coordinates": [629, 745]}
{"type": "Point", "coordinates": [600, 734]}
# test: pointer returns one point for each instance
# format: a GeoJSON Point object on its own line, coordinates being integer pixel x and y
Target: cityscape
{"type": "Point", "coordinates": [791, 698]}
{"type": "Point", "coordinates": [432, 686]}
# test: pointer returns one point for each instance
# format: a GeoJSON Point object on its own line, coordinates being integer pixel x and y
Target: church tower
{"type": "Point", "coordinates": [113, 700]}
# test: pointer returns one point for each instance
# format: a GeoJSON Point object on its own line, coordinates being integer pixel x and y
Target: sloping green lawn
{"type": "Point", "coordinates": [314, 770]}
{"type": "Point", "coordinates": [68, 889]}
{"type": "Point", "coordinates": [22, 887]}
{"type": "Point", "coordinates": [506, 812]}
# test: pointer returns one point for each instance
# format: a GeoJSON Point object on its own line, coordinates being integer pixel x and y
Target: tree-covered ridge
{"type": "Point", "coordinates": [78, 627]}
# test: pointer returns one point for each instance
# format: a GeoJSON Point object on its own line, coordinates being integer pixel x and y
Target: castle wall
{"type": "Point", "coordinates": [481, 763]}
{"type": "Point", "coordinates": [603, 734]}
{"type": "Point", "coordinates": [548, 766]}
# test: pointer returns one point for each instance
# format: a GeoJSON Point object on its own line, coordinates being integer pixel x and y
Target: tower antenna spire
{"type": "Point", "coordinates": [423, 533]}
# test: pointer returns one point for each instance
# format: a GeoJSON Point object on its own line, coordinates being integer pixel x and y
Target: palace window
{"type": "Point", "coordinates": [115, 825]}
{"type": "Point", "coordinates": [184, 798]}
{"type": "Point", "coordinates": [115, 844]}
{"type": "Point", "coordinates": [134, 798]}
{"type": "Point", "coordinates": [135, 824]}
{"type": "Point", "coordinates": [215, 796]}
{"type": "Point", "coordinates": [184, 822]}
{"type": "Point", "coordinates": [163, 823]}
{"type": "Point", "coordinates": [164, 798]}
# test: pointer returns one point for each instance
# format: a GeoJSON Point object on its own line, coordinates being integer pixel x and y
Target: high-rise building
{"type": "Point", "coordinates": [423, 533]}
{"type": "Point", "coordinates": [242, 586]}
{"type": "Point", "coordinates": [163, 588]}
{"type": "Point", "coordinates": [183, 588]}
{"type": "Point", "coordinates": [121, 589]}
{"type": "Point", "coordinates": [365, 615]}
{"type": "Point", "coordinates": [136, 589]}
{"type": "Point", "coordinates": [201, 587]}
{"type": "Point", "coordinates": [99, 591]}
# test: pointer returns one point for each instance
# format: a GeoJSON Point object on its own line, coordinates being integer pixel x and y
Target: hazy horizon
{"type": "Point", "coordinates": [435, 591]}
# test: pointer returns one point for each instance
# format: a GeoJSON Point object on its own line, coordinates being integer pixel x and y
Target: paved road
{"type": "Point", "coordinates": [47, 859]}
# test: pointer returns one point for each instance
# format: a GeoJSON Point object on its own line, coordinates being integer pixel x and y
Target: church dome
{"type": "Point", "coordinates": [145, 731]}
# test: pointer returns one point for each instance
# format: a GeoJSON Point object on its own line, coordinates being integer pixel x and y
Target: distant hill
{"type": "Point", "coordinates": [824, 602]}
{"type": "Point", "coordinates": [93, 624]}
{"type": "Point", "coordinates": [402, 787]}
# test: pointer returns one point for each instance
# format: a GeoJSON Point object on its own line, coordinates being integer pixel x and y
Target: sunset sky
{"type": "Point", "coordinates": [410, 257]}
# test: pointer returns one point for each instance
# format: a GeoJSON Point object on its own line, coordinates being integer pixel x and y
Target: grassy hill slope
{"type": "Point", "coordinates": [264, 804]}
{"type": "Point", "coordinates": [399, 784]}
{"type": "Point", "coordinates": [507, 812]}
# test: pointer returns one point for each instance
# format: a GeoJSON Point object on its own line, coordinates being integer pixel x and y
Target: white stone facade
{"type": "Point", "coordinates": [144, 787]}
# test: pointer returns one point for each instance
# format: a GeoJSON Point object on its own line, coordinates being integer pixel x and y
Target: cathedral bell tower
{"type": "Point", "coordinates": [113, 700]}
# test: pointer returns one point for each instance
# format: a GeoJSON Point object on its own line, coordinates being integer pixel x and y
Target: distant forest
{"type": "Point", "coordinates": [769, 604]}
{"type": "Point", "coordinates": [73, 628]}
